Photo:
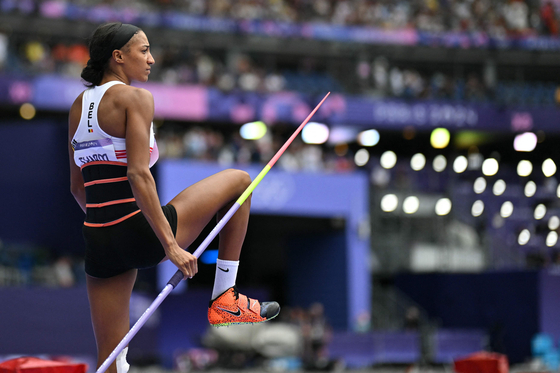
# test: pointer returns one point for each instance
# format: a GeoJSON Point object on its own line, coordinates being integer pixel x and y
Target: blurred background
{"type": "Point", "coordinates": [413, 222]}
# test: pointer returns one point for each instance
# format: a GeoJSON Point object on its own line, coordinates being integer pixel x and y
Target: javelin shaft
{"type": "Point", "coordinates": [178, 276]}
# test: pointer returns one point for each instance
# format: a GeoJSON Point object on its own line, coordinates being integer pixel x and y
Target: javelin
{"type": "Point", "coordinates": [178, 276]}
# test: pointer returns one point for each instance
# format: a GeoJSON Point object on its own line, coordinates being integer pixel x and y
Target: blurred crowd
{"type": "Point", "coordinates": [228, 148]}
{"type": "Point", "coordinates": [30, 265]}
{"type": "Point", "coordinates": [379, 77]}
{"type": "Point", "coordinates": [496, 18]}
{"type": "Point", "coordinates": [231, 71]}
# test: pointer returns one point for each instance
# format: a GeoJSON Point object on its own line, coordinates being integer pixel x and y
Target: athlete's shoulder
{"type": "Point", "coordinates": [76, 107]}
{"type": "Point", "coordinates": [78, 101]}
{"type": "Point", "coordinates": [134, 96]}
{"type": "Point", "coordinates": [128, 90]}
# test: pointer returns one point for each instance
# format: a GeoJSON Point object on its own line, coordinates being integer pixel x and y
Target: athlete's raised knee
{"type": "Point", "coordinates": [240, 178]}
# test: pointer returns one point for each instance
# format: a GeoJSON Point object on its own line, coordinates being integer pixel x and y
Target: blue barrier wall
{"type": "Point", "coordinates": [331, 262]}
{"type": "Point", "coordinates": [510, 306]}
{"type": "Point", "coordinates": [35, 200]}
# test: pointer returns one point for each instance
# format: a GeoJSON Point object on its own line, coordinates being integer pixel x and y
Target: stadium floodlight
{"type": "Point", "coordinates": [551, 238]}
{"type": "Point", "coordinates": [524, 237]}
{"type": "Point", "coordinates": [389, 202]}
{"type": "Point", "coordinates": [549, 167]}
{"type": "Point", "coordinates": [361, 158]}
{"type": "Point", "coordinates": [388, 159]}
{"type": "Point", "coordinates": [530, 188]}
{"type": "Point", "coordinates": [506, 210]}
{"type": "Point", "coordinates": [368, 138]}
{"type": "Point", "coordinates": [524, 168]}
{"type": "Point", "coordinates": [479, 185]}
{"type": "Point", "coordinates": [553, 223]}
{"type": "Point", "coordinates": [439, 138]}
{"type": "Point", "coordinates": [440, 162]}
{"type": "Point", "coordinates": [490, 167]}
{"type": "Point", "coordinates": [477, 208]}
{"type": "Point", "coordinates": [525, 142]}
{"type": "Point", "coordinates": [499, 187]}
{"type": "Point", "coordinates": [315, 133]}
{"type": "Point", "coordinates": [417, 162]}
{"type": "Point", "coordinates": [253, 130]}
{"type": "Point", "coordinates": [540, 211]}
{"type": "Point", "coordinates": [411, 204]}
{"type": "Point", "coordinates": [27, 111]}
{"type": "Point", "coordinates": [460, 164]}
{"type": "Point", "coordinates": [443, 206]}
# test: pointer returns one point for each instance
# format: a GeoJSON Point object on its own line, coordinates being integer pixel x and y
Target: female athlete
{"type": "Point", "coordinates": [111, 149]}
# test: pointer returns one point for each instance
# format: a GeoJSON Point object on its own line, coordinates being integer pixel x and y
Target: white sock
{"type": "Point", "coordinates": [122, 364]}
{"type": "Point", "coordinates": [226, 274]}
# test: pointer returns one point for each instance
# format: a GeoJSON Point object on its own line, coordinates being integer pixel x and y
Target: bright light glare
{"type": "Point", "coordinates": [460, 164]}
{"type": "Point", "coordinates": [388, 159]}
{"type": "Point", "coordinates": [548, 167]}
{"type": "Point", "coordinates": [553, 223]}
{"type": "Point", "coordinates": [490, 167]}
{"type": "Point", "coordinates": [540, 211]}
{"type": "Point", "coordinates": [440, 162]}
{"type": "Point", "coordinates": [524, 237]}
{"type": "Point", "coordinates": [477, 208]}
{"type": "Point", "coordinates": [411, 204]}
{"type": "Point", "coordinates": [253, 130]}
{"type": "Point", "coordinates": [417, 162]}
{"type": "Point", "coordinates": [506, 210]}
{"type": "Point", "coordinates": [389, 202]}
{"type": "Point", "coordinates": [479, 185]}
{"type": "Point", "coordinates": [439, 138]}
{"type": "Point", "coordinates": [524, 168]}
{"type": "Point", "coordinates": [499, 187]}
{"type": "Point", "coordinates": [530, 189]}
{"type": "Point", "coordinates": [368, 138]}
{"type": "Point", "coordinates": [551, 238]}
{"type": "Point", "coordinates": [315, 133]}
{"type": "Point", "coordinates": [341, 135]}
{"type": "Point", "coordinates": [443, 206]}
{"type": "Point", "coordinates": [525, 142]}
{"type": "Point", "coordinates": [27, 111]}
{"type": "Point", "coordinates": [361, 158]}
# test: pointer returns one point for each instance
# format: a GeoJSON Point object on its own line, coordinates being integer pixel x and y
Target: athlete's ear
{"type": "Point", "coordinates": [118, 56]}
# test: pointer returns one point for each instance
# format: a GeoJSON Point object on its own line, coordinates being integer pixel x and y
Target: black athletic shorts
{"type": "Point", "coordinates": [129, 244]}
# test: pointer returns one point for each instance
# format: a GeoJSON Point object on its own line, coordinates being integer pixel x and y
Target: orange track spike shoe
{"type": "Point", "coordinates": [233, 308]}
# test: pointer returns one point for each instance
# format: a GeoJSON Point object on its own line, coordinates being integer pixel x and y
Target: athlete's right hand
{"type": "Point", "coordinates": [185, 261]}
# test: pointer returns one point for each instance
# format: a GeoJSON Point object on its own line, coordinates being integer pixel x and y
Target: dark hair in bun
{"type": "Point", "coordinates": [105, 39]}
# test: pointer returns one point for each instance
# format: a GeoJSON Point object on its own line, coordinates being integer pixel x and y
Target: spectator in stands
{"type": "Point", "coordinates": [549, 19]}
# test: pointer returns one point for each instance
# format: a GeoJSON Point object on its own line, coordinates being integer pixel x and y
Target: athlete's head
{"type": "Point", "coordinates": [118, 44]}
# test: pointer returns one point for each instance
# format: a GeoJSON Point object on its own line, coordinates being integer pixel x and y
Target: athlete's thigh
{"type": "Point", "coordinates": [197, 204]}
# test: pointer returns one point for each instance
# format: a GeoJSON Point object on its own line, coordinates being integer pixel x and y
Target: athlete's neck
{"type": "Point", "coordinates": [111, 76]}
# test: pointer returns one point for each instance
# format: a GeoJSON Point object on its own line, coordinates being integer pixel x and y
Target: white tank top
{"type": "Point", "coordinates": [91, 143]}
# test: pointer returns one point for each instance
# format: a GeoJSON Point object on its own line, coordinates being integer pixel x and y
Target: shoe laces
{"type": "Point", "coordinates": [236, 292]}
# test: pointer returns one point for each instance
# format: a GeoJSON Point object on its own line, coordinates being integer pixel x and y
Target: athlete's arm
{"type": "Point", "coordinates": [76, 179]}
{"type": "Point", "coordinates": [139, 105]}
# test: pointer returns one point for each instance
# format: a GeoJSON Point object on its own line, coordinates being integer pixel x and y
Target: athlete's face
{"type": "Point", "coordinates": [139, 58]}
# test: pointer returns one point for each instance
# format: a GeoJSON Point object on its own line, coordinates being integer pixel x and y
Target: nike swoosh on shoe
{"type": "Point", "coordinates": [238, 313]}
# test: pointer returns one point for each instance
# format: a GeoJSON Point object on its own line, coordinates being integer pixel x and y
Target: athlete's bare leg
{"type": "Point", "coordinates": [109, 300]}
{"type": "Point", "coordinates": [200, 202]}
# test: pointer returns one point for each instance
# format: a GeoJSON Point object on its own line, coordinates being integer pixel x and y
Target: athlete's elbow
{"type": "Point", "coordinates": [77, 189]}
{"type": "Point", "coordinates": [136, 176]}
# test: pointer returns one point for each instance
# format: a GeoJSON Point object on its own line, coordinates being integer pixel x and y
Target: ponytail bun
{"type": "Point", "coordinates": [92, 74]}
